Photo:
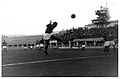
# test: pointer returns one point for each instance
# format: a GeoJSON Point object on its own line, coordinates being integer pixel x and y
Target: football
{"type": "Point", "coordinates": [73, 16]}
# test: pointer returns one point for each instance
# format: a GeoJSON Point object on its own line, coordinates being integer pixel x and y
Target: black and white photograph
{"type": "Point", "coordinates": [59, 38]}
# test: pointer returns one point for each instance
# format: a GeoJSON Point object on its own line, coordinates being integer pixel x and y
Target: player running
{"type": "Point", "coordinates": [37, 44]}
{"type": "Point", "coordinates": [4, 46]}
{"type": "Point", "coordinates": [112, 43]}
{"type": "Point", "coordinates": [83, 46]}
{"type": "Point", "coordinates": [106, 47]}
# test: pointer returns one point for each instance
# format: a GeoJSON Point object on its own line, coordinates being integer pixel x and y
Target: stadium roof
{"type": "Point", "coordinates": [91, 25]}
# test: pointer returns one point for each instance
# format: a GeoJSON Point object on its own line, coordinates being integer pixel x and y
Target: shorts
{"type": "Point", "coordinates": [41, 45]}
{"type": "Point", "coordinates": [4, 47]}
{"type": "Point", "coordinates": [47, 36]}
{"type": "Point", "coordinates": [37, 45]}
{"type": "Point", "coordinates": [83, 45]}
{"type": "Point", "coordinates": [25, 47]}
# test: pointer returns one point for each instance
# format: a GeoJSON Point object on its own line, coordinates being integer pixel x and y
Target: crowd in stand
{"type": "Point", "coordinates": [81, 33]}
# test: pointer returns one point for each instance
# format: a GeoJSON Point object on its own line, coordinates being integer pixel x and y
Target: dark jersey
{"type": "Point", "coordinates": [4, 43]}
{"type": "Point", "coordinates": [49, 28]}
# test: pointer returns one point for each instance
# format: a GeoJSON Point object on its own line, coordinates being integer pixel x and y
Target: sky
{"type": "Point", "coordinates": [30, 17]}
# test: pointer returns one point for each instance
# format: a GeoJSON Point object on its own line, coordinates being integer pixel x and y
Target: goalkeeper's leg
{"type": "Point", "coordinates": [58, 38]}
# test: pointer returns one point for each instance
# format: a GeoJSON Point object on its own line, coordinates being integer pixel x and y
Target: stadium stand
{"type": "Point", "coordinates": [80, 33]}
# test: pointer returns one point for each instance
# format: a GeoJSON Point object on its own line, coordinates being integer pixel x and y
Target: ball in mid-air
{"type": "Point", "coordinates": [73, 16]}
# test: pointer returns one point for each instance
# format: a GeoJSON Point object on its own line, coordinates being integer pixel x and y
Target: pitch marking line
{"type": "Point", "coordinates": [54, 60]}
